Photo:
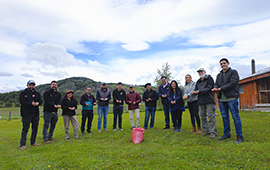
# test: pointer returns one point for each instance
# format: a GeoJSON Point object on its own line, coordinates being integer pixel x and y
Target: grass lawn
{"type": "Point", "coordinates": [161, 149]}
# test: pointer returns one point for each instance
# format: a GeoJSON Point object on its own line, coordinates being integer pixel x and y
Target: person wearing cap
{"type": "Point", "coordinates": [133, 99]}
{"type": "Point", "coordinates": [150, 98]}
{"type": "Point", "coordinates": [227, 89]}
{"type": "Point", "coordinates": [30, 99]}
{"type": "Point", "coordinates": [87, 101]}
{"type": "Point", "coordinates": [206, 103]}
{"type": "Point", "coordinates": [119, 96]}
{"type": "Point", "coordinates": [52, 102]}
{"type": "Point", "coordinates": [103, 96]}
{"type": "Point", "coordinates": [69, 105]}
{"type": "Point", "coordinates": [162, 92]}
{"type": "Point", "coordinates": [192, 101]}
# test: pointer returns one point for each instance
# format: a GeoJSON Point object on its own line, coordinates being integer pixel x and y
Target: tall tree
{"type": "Point", "coordinates": [164, 71]}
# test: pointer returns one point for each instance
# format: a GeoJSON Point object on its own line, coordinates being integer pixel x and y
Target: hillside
{"type": "Point", "coordinates": [77, 84]}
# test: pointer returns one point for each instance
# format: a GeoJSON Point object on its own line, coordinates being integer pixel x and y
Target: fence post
{"type": "Point", "coordinates": [9, 118]}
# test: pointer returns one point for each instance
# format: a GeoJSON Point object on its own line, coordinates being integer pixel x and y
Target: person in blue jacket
{"type": "Point", "coordinates": [176, 104]}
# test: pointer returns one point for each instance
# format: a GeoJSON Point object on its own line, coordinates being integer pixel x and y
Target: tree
{"type": "Point", "coordinates": [164, 71]}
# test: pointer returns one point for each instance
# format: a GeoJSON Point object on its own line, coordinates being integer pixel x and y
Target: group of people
{"type": "Point", "coordinates": [199, 96]}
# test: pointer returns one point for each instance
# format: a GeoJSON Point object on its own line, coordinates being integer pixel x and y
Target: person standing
{"type": "Point", "coordinates": [176, 105]}
{"type": "Point", "coordinates": [103, 96]}
{"type": "Point", "coordinates": [133, 99]}
{"type": "Point", "coordinates": [30, 99]}
{"type": "Point", "coordinates": [150, 98]}
{"type": "Point", "coordinates": [227, 89]}
{"type": "Point", "coordinates": [69, 105]}
{"type": "Point", "coordinates": [87, 101]}
{"type": "Point", "coordinates": [119, 96]}
{"type": "Point", "coordinates": [206, 103]}
{"type": "Point", "coordinates": [192, 103]}
{"type": "Point", "coordinates": [162, 92]}
{"type": "Point", "coordinates": [52, 103]}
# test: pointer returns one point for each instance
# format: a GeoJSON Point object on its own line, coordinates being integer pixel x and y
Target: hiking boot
{"type": "Point", "coordinates": [35, 144]}
{"type": "Point", "coordinates": [205, 134]}
{"type": "Point", "coordinates": [52, 139]}
{"type": "Point", "coordinates": [224, 137]}
{"type": "Point", "coordinates": [212, 136]}
{"type": "Point", "coordinates": [239, 140]}
{"type": "Point", "coordinates": [47, 142]}
{"type": "Point", "coordinates": [23, 148]}
{"type": "Point", "coordinates": [193, 130]}
{"type": "Point", "coordinates": [114, 130]}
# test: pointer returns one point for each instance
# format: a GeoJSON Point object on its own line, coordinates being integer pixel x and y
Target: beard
{"type": "Point", "coordinates": [202, 75]}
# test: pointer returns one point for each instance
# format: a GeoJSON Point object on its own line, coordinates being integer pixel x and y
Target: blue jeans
{"type": "Point", "coordinates": [149, 111]}
{"type": "Point", "coordinates": [26, 120]}
{"type": "Point", "coordinates": [117, 111]}
{"type": "Point", "coordinates": [167, 115]}
{"type": "Point", "coordinates": [224, 109]}
{"type": "Point", "coordinates": [102, 110]}
{"type": "Point", "coordinates": [50, 119]}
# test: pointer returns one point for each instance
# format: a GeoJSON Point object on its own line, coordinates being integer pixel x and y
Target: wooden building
{"type": "Point", "coordinates": [255, 91]}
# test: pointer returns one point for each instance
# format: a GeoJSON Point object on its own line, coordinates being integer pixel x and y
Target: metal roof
{"type": "Point", "coordinates": [266, 70]}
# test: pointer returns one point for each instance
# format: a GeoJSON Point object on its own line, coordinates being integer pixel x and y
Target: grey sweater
{"type": "Point", "coordinates": [189, 88]}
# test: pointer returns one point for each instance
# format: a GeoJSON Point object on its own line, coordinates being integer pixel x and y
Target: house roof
{"type": "Point", "coordinates": [255, 76]}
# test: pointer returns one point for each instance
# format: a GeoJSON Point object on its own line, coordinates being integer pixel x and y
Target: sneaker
{"type": "Point", "coordinates": [89, 131]}
{"type": "Point", "coordinates": [239, 140]}
{"type": "Point", "coordinates": [47, 142]}
{"type": "Point", "coordinates": [166, 128]}
{"type": "Point", "coordinates": [67, 138]}
{"type": "Point", "coordinates": [106, 130]}
{"type": "Point", "coordinates": [224, 137]}
{"type": "Point", "coordinates": [175, 130]}
{"type": "Point", "coordinates": [23, 148]}
{"type": "Point", "coordinates": [99, 130]}
{"type": "Point", "coordinates": [35, 144]}
{"type": "Point", "coordinates": [212, 136]}
{"type": "Point", "coordinates": [114, 130]}
{"type": "Point", "coordinates": [205, 134]}
{"type": "Point", "coordinates": [179, 130]}
{"type": "Point", "coordinates": [82, 133]}
{"type": "Point", "coordinates": [132, 128]}
{"type": "Point", "coordinates": [52, 139]}
{"type": "Point", "coordinates": [121, 129]}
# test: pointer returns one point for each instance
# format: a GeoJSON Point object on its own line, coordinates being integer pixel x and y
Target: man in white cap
{"type": "Point", "coordinates": [30, 100]}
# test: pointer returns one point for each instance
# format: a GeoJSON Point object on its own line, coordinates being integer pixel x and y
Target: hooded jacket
{"type": "Point", "coordinates": [26, 98]}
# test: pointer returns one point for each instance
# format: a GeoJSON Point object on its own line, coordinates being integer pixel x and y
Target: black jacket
{"type": "Point", "coordinates": [51, 98]}
{"type": "Point", "coordinates": [205, 86]}
{"type": "Point", "coordinates": [150, 94]}
{"type": "Point", "coordinates": [26, 98]}
{"type": "Point", "coordinates": [68, 103]}
{"type": "Point", "coordinates": [119, 95]}
{"type": "Point", "coordinates": [228, 84]}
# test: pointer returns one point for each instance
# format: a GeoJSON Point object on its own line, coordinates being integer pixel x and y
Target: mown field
{"type": "Point", "coordinates": [161, 149]}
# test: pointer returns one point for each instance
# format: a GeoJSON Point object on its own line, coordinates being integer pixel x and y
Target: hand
{"type": "Point", "coordinates": [149, 99]}
{"type": "Point", "coordinates": [71, 108]}
{"type": "Point", "coordinates": [216, 89]}
{"type": "Point", "coordinates": [106, 99]}
{"type": "Point", "coordinates": [102, 99]}
{"type": "Point", "coordinates": [130, 102]}
{"type": "Point", "coordinates": [95, 103]}
{"type": "Point", "coordinates": [119, 101]}
{"type": "Point", "coordinates": [134, 102]}
{"type": "Point", "coordinates": [195, 92]}
{"type": "Point", "coordinates": [86, 104]}
{"type": "Point", "coordinates": [185, 97]}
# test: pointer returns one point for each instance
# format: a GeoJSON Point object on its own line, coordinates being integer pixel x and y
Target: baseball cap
{"type": "Point", "coordinates": [31, 82]}
{"type": "Point", "coordinates": [200, 69]}
{"type": "Point", "coordinates": [131, 86]}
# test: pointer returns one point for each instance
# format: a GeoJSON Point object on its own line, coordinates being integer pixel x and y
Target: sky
{"type": "Point", "coordinates": [128, 40]}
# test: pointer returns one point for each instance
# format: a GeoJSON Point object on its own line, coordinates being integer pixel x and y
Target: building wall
{"type": "Point", "coordinates": [249, 98]}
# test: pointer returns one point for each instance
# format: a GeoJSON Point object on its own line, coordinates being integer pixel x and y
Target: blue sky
{"type": "Point", "coordinates": [128, 40]}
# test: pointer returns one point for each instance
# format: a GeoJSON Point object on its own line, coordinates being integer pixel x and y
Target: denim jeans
{"type": "Point", "coordinates": [26, 120]}
{"type": "Point", "coordinates": [167, 115]}
{"type": "Point", "coordinates": [233, 107]}
{"type": "Point", "coordinates": [50, 119]}
{"type": "Point", "coordinates": [87, 114]}
{"type": "Point", "coordinates": [149, 111]}
{"type": "Point", "coordinates": [102, 110]}
{"type": "Point", "coordinates": [117, 111]}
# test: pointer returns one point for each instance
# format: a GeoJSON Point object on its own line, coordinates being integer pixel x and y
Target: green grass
{"type": "Point", "coordinates": [161, 149]}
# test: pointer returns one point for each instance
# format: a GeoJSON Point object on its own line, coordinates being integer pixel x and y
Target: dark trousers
{"type": "Point", "coordinates": [117, 112]}
{"type": "Point", "coordinates": [87, 114]}
{"type": "Point", "coordinates": [50, 119]}
{"type": "Point", "coordinates": [26, 120]}
{"type": "Point", "coordinates": [167, 115]}
{"type": "Point", "coordinates": [177, 116]}
{"type": "Point", "coordinates": [193, 110]}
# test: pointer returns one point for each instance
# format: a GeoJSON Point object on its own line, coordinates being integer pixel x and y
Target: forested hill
{"type": "Point", "coordinates": [77, 84]}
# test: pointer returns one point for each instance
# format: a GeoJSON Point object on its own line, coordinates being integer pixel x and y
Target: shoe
{"type": "Point", "coordinates": [193, 130]}
{"type": "Point", "coordinates": [89, 131]}
{"type": "Point", "coordinates": [82, 133]}
{"type": "Point", "coordinates": [35, 144]}
{"type": "Point", "coordinates": [175, 130]}
{"type": "Point", "coordinates": [239, 140]}
{"type": "Point", "coordinates": [99, 130]}
{"type": "Point", "coordinates": [179, 130]}
{"type": "Point", "coordinates": [166, 128]}
{"type": "Point", "coordinates": [205, 134]}
{"type": "Point", "coordinates": [67, 138]}
{"type": "Point", "coordinates": [106, 130]}
{"type": "Point", "coordinates": [132, 128]}
{"type": "Point", "coordinates": [224, 137]}
{"type": "Point", "coordinates": [199, 131]}
{"type": "Point", "coordinates": [47, 142]}
{"type": "Point", "coordinates": [52, 139]}
{"type": "Point", "coordinates": [23, 148]}
{"type": "Point", "coordinates": [212, 136]}
{"type": "Point", "coordinates": [121, 129]}
{"type": "Point", "coordinates": [114, 130]}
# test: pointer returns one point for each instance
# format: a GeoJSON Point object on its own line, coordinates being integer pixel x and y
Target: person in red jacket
{"type": "Point", "coordinates": [133, 99]}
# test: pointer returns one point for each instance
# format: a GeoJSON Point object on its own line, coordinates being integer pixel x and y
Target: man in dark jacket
{"type": "Point", "coordinates": [103, 97]}
{"type": "Point", "coordinates": [162, 92]}
{"type": "Point", "coordinates": [206, 103]}
{"type": "Point", "coordinates": [87, 101]}
{"type": "Point", "coordinates": [119, 96]}
{"type": "Point", "coordinates": [30, 99]}
{"type": "Point", "coordinates": [150, 98]}
{"type": "Point", "coordinates": [52, 103]}
{"type": "Point", "coordinates": [227, 89]}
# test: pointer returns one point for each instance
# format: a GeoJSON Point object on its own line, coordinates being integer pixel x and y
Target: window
{"type": "Point", "coordinates": [241, 89]}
